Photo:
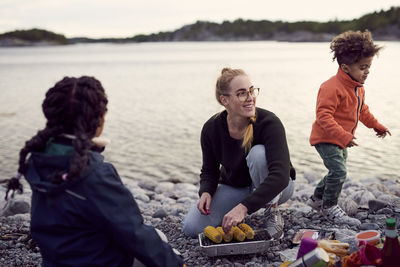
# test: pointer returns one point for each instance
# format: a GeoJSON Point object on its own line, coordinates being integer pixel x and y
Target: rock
{"type": "Point", "coordinates": [148, 184]}
{"type": "Point", "coordinates": [15, 206]}
{"type": "Point", "coordinates": [395, 202]}
{"type": "Point", "coordinates": [165, 213]}
{"type": "Point", "coordinates": [353, 184]}
{"type": "Point", "coordinates": [369, 226]}
{"type": "Point", "coordinates": [302, 195]}
{"type": "Point", "coordinates": [348, 205]}
{"type": "Point", "coordinates": [376, 204]}
{"type": "Point", "coordinates": [385, 211]}
{"type": "Point", "coordinates": [378, 186]}
{"type": "Point", "coordinates": [142, 197]}
{"type": "Point", "coordinates": [311, 177]}
{"type": "Point", "coordinates": [161, 213]}
{"type": "Point", "coordinates": [362, 197]}
{"type": "Point", "coordinates": [289, 254]}
{"type": "Point", "coordinates": [164, 187]}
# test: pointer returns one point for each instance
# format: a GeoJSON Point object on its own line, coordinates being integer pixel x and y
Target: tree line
{"type": "Point", "coordinates": [383, 24]}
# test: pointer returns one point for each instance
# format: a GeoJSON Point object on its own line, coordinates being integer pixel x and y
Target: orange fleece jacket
{"type": "Point", "coordinates": [340, 104]}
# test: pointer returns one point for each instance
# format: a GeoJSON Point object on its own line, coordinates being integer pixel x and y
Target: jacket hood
{"type": "Point", "coordinates": [55, 158]}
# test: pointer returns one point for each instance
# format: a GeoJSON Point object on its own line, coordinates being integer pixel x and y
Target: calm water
{"type": "Point", "coordinates": [161, 94]}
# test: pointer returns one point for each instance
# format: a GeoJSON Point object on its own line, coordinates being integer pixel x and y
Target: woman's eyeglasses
{"type": "Point", "coordinates": [244, 95]}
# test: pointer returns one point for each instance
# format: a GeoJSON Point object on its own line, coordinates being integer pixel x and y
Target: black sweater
{"type": "Point", "coordinates": [224, 160]}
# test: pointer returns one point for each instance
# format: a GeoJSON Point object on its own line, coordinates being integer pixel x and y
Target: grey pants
{"type": "Point", "coordinates": [329, 188]}
{"type": "Point", "coordinates": [227, 197]}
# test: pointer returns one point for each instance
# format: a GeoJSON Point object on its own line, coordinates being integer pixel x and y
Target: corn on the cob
{"type": "Point", "coordinates": [226, 236]}
{"type": "Point", "coordinates": [238, 234]}
{"type": "Point", "coordinates": [247, 230]}
{"type": "Point", "coordinates": [213, 234]}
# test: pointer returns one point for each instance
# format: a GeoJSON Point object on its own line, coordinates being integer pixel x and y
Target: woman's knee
{"type": "Point", "coordinates": [256, 156]}
{"type": "Point", "coordinates": [287, 192]}
{"type": "Point", "coordinates": [191, 229]}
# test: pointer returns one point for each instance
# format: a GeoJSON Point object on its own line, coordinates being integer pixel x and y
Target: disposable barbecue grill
{"type": "Point", "coordinates": [261, 242]}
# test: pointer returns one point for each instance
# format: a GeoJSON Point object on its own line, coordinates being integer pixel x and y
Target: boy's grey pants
{"type": "Point", "coordinates": [329, 188]}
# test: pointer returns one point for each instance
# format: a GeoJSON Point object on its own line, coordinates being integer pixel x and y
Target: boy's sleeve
{"type": "Point", "coordinates": [327, 102]}
{"type": "Point", "coordinates": [120, 217]}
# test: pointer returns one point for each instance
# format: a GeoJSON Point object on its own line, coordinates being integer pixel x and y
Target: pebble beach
{"type": "Point", "coordinates": [164, 205]}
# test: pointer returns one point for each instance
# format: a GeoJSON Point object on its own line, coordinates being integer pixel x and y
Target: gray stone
{"type": "Point", "coordinates": [395, 190]}
{"type": "Point", "coordinates": [376, 204]}
{"type": "Point", "coordinates": [387, 198]}
{"type": "Point", "coordinates": [378, 217]}
{"type": "Point", "coordinates": [185, 200]}
{"type": "Point", "coordinates": [395, 202]}
{"type": "Point", "coordinates": [302, 195]}
{"type": "Point", "coordinates": [183, 190]}
{"type": "Point", "coordinates": [369, 226]}
{"type": "Point", "coordinates": [164, 187]}
{"type": "Point", "coordinates": [142, 197]}
{"type": "Point", "coordinates": [378, 186]}
{"type": "Point", "coordinates": [311, 177]}
{"type": "Point", "coordinates": [353, 184]}
{"type": "Point", "coordinates": [161, 213]}
{"type": "Point", "coordinates": [348, 205]}
{"type": "Point", "coordinates": [148, 184]}
{"type": "Point", "coordinates": [362, 197]}
{"type": "Point", "coordinates": [15, 206]}
{"type": "Point", "coordinates": [385, 211]}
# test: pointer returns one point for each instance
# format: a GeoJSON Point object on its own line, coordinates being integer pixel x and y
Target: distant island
{"type": "Point", "coordinates": [384, 25]}
{"type": "Point", "coordinates": [32, 37]}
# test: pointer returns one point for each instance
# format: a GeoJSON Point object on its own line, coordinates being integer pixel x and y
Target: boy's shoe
{"type": "Point", "coordinates": [274, 223]}
{"type": "Point", "coordinates": [314, 203]}
{"type": "Point", "coordinates": [338, 216]}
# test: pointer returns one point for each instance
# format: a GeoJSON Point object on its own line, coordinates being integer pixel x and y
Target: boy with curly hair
{"type": "Point", "coordinates": [340, 105]}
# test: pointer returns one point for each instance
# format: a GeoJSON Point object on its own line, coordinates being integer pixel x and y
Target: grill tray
{"type": "Point", "coordinates": [261, 242]}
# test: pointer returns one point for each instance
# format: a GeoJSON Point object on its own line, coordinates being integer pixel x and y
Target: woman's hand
{"type": "Point", "coordinates": [233, 217]}
{"type": "Point", "coordinates": [382, 134]}
{"type": "Point", "coordinates": [204, 203]}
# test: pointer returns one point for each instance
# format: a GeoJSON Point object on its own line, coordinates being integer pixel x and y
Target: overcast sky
{"type": "Point", "coordinates": [125, 18]}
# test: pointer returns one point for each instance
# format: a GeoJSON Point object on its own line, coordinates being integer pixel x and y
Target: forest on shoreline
{"type": "Point", "coordinates": [384, 25]}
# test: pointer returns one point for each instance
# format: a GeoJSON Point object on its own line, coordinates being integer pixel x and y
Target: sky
{"type": "Point", "coordinates": [126, 18]}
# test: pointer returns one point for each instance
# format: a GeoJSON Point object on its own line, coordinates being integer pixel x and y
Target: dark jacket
{"type": "Point", "coordinates": [93, 221]}
{"type": "Point", "coordinates": [224, 160]}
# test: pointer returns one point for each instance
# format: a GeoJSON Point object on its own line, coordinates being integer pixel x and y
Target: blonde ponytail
{"type": "Point", "coordinates": [248, 135]}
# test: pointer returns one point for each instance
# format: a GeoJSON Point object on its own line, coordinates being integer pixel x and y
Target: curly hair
{"type": "Point", "coordinates": [73, 106]}
{"type": "Point", "coordinates": [352, 46]}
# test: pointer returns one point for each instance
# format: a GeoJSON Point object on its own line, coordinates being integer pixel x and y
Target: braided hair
{"type": "Point", "coordinates": [72, 106]}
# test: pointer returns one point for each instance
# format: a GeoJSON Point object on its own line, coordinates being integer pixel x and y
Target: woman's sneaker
{"type": "Point", "coordinates": [314, 203]}
{"type": "Point", "coordinates": [274, 222]}
{"type": "Point", "coordinates": [337, 215]}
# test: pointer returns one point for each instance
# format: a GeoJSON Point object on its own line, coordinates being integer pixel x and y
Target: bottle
{"type": "Point", "coordinates": [391, 247]}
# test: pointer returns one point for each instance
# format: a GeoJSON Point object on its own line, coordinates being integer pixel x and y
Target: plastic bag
{"type": "Point", "coordinates": [370, 255]}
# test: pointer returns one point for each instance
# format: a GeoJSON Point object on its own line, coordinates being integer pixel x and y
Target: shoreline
{"type": "Point", "coordinates": [164, 205]}
{"type": "Point", "coordinates": [295, 38]}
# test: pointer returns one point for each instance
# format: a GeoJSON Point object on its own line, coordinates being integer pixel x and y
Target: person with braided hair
{"type": "Point", "coordinates": [246, 162]}
{"type": "Point", "coordinates": [81, 213]}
